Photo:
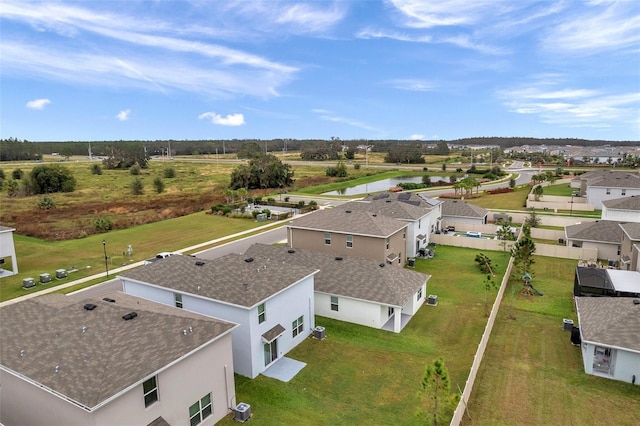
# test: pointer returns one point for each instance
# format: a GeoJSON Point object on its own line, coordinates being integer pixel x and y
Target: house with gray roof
{"type": "Point", "coordinates": [603, 235]}
{"type": "Point", "coordinates": [629, 248]}
{"type": "Point", "coordinates": [600, 185]}
{"type": "Point", "coordinates": [459, 211]}
{"type": "Point", "coordinates": [421, 213]}
{"type": "Point", "coordinates": [120, 360]}
{"type": "Point", "coordinates": [273, 306]}
{"type": "Point", "coordinates": [625, 209]}
{"type": "Point", "coordinates": [7, 252]}
{"type": "Point", "coordinates": [351, 232]}
{"type": "Point", "coordinates": [356, 290]}
{"type": "Point", "coordinates": [610, 337]}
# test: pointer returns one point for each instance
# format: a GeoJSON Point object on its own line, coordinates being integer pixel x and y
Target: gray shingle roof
{"type": "Point", "coordinates": [611, 179]}
{"type": "Point", "coordinates": [625, 203]}
{"type": "Point", "coordinates": [227, 279]}
{"type": "Point", "coordinates": [354, 222]}
{"type": "Point", "coordinates": [632, 230]}
{"type": "Point", "coordinates": [389, 207]}
{"type": "Point", "coordinates": [462, 209]}
{"type": "Point", "coordinates": [611, 321]}
{"type": "Point", "coordinates": [350, 277]}
{"type": "Point", "coordinates": [110, 355]}
{"type": "Point", "coordinates": [606, 231]}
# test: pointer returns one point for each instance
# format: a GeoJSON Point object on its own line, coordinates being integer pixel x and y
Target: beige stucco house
{"type": "Point", "coordinates": [346, 232]}
{"type": "Point", "coordinates": [114, 361]}
{"type": "Point", "coordinates": [630, 246]}
{"type": "Point", "coordinates": [7, 252]}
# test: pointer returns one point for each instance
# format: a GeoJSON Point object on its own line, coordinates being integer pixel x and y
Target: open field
{"type": "Point", "coordinates": [532, 374]}
{"type": "Point", "coordinates": [359, 375]}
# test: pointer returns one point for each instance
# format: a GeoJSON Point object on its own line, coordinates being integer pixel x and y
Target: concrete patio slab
{"type": "Point", "coordinates": [284, 369]}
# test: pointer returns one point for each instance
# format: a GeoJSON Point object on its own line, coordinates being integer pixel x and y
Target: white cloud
{"type": "Point", "coordinates": [427, 14]}
{"type": "Point", "coordinates": [328, 116]}
{"type": "Point", "coordinates": [123, 115]}
{"type": "Point", "coordinates": [417, 137]}
{"type": "Point", "coordinates": [414, 85]}
{"type": "Point", "coordinates": [229, 120]}
{"type": "Point", "coordinates": [38, 103]}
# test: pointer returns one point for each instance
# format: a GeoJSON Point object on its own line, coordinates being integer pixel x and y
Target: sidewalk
{"type": "Point", "coordinates": [136, 264]}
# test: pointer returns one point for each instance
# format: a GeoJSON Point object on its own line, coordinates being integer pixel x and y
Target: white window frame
{"type": "Point", "coordinates": [349, 241]}
{"type": "Point", "coordinates": [327, 238]}
{"type": "Point", "coordinates": [262, 313]}
{"type": "Point", "coordinates": [202, 408]}
{"type": "Point", "coordinates": [152, 393]}
{"type": "Point", "coordinates": [335, 304]}
{"type": "Point", "coordinates": [297, 326]}
{"type": "Point", "coordinates": [177, 297]}
{"type": "Point", "coordinates": [419, 295]}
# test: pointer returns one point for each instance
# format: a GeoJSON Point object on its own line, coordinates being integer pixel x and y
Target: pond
{"type": "Point", "coordinates": [382, 185]}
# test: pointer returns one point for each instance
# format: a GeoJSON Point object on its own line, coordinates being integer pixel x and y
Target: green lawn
{"type": "Point", "coordinates": [532, 375]}
{"type": "Point", "coordinates": [563, 190]}
{"type": "Point", "coordinates": [508, 201]}
{"type": "Point", "coordinates": [360, 375]}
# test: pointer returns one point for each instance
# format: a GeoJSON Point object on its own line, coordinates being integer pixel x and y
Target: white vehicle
{"type": "Point", "coordinates": [161, 255]}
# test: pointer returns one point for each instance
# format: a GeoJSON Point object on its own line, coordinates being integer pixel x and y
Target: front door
{"type": "Point", "coordinates": [270, 352]}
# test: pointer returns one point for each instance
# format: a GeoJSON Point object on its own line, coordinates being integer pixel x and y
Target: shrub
{"type": "Point", "coordinates": [102, 224]}
{"type": "Point", "coordinates": [158, 185]}
{"type": "Point", "coordinates": [339, 170]}
{"type": "Point", "coordinates": [301, 204]}
{"type": "Point", "coordinates": [52, 178]}
{"type": "Point", "coordinates": [271, 200]}
{"type": "Point", "coordinates": [169, 173]}
{"type": "Point", "coordinates": [17, 174]}
{"type": "Point", "coordinates": [313, 204]}
{"type": "Point", "coordinates": [255, 213]}
{"type": "Point", "coordinates": [267, 212]}
{"type": "Point", "coordinates": [286, 199]}
{"type": "Point", "coordinates": [134, 170]}
{"type": "Point", "coordinates": [226, 210]}
{"type": "Point", "coordinates": [96, 169]}
{"type": "Point", "coordinates": [137, 187]}
{"type": "Point", "coordinates": [46, 203]}
{"type": "Point", "coordinates": [356, 166]}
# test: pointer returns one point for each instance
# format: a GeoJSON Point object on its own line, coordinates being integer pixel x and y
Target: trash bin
{"type": "Point", "coordinates": [412, 262]}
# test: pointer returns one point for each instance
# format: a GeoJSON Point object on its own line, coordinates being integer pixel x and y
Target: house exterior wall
{"type": "Point", "coordinates": [626, 249]}
{"type": "Point", "coordinates": [625, 364]}
{"type": "Point", "coordinates": [605, 251]}
{"type": "Point", "coordinates": [282, 308]}
{"type": "Point", "coordinates": [620, 215]}
{"type": "Point", "coordinates": [446, 220]}
{"type": "Point", "coordinates": [426, 225]}
{"type": "Point", "coordinates": [414, 303]}
{"type": "Point", "coordinates": [7, 249]}
{"type": "Point", "coordinates": [350, 310]}
{"type": "Point", "coordinates": [364, 247]}
{"type": "Point", "coordinates": [207, 370]}
{"type": "Point", "coordinates": [596, 194]}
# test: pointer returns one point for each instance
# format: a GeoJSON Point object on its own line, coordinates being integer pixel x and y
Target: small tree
{"type": "Point", "coordinates": [426, 179]}
{"type": "Point", "coordinates": [488, 285]}
{"type": "Point", "coordinates": [134, 170]}
{"type": "Point", "coordinates": [533, 220]}
{"type": "Point", "coordinates": [512, 183]}
{"type": "Point", "coordinates": [537, 192]}
{"type": "Point", "coordinates": [505, 234]}
{"type": "Point", "coordinates": [96, 169]}
{"type": "Point", "coordinates": [522, 252]}
{"type": "Point", "coordinates": [158, 185]}
{"type": "Point", "coordinates": [52, 178]}
{"type": "Point", "coordinates": [435, 387]}
{"type": "Point", "coordinates": [169, 173]}
{"type": "Point", "coordinates": [485, 263]}
{"type": "Point", "coordinates": [46, 203]}
{"type": "Point", "coordinates": [137, 187]}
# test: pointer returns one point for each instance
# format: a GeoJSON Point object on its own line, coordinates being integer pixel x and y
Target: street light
{"type": "Point", "coordinates": [106, 263]}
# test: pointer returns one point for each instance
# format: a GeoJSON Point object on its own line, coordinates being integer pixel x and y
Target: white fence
{"type": "Point", "coordinates": [565, 252]}
{"type": "Point", "coordinates": [474, 243]}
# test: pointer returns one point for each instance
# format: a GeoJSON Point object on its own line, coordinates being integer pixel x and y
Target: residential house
{"type": "Point", "coordinates": [114, 361]}
{"type": "Point", "coordinates": [600, 185]}
{"type": "Point", "coordinates": [630, 246]}
{"type": "Point", "coordinates": [603, 235]}
{"type": "Point", "coordinates": [346, 232]}
{"type": "Point", "coordinates": [591, 281]}
{"type": "Point", "coordinates": [356, 290]}
{"type": "Point", "coordinates": [625, 209]}
{"type": "Point", "coordinates": [272, 305]}
{"type": "Point", "coordinates": [458, 211]}
{"type": "Point", "coordinates": [7, 251]}
{"type": "Point", "coordinates": [610, 334]}
{"type": "Point", "coordinates": [421, 213]}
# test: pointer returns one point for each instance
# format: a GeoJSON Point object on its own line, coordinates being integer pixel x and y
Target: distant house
{"type": "Point", "coordinates": [7, 252]}
{"type": "Point", "coordinates": [630, 246]}
{"type": "Point", "coordinates": [625, 209]}
{"type": "Point", "coordinates": [610, 334]}
{"type": "Point", "coordinates": [272, 305]}
{"type": "Point", "coordinates": [126, 361]}
{"type": "Point", "coordinates": [421, 213]}
{"type": "Point", "coordinates": [606, 282]}
{"type": "Point", "coordinates": [603, 235]}
{"type": "Point", "coordinates": [462, 212]}
{"type": "Point", "coordinates": [356, 290]}
{"type": "Point", "coordinates": [346, 232]}
{"type": "Point", "coordinates": [601, 185]}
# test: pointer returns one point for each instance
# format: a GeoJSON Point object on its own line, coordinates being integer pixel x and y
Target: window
{"type": "Point", "coordinates": [200, 410]}
{"type": "Point", "coordinates": [178, 300]}
{"type": "Point", "coordinates": [404, 235]}
{"type": "Point", "coordinates": [150, 389]}
{"type": "Point", "coordinates": [623, 192]}
{"type": "Point", "coordinates": [419, 223]}
{"type": "Point", "coordinates": [349, 241]}
{"type": "Point", "coordinates": [262, 315]}
{"type": "Point", "coordinates": [297, 326]}
{"type": "Point", "coordinates": [419, 295]}
{"type": "Point", "coordinates": [390, 311]}
{"type": "Point", "coordinates": [400, 257]}
{"type": "Point", "coordinates": [608, 191]}
{"type": "Point", "coordinates": [327, 238]}
{"type": "Point", "coordinates": [387, 243]}
{"type": "Point", "coordinates": [334, 303]}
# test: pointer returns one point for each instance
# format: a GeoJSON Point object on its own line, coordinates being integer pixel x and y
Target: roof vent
{"type": "Point", "coordinates": [246, 286]}
{"type": "Point", "coordinates": [291, 251]}
{"type": "Point", "coordinates": [381, 265]}
{"type": "Point", "coordinates": [84, 328]}
{"type": "Point", "coordinates": [249, 259]}
{"type": "Point", "coordinates": [129, 316]}
{"type": "Point", "coordinates": [22, 352]}
{"type": "Point", "coordinates": [338, 257]}
{"type": "Point", "coordinates": [387, 201]}
{"type": "Point", "coordinates": [90, 306]}
{"type": "Point", "coordinates": [108, 299]}
{"type": "Point", "coordinates": [199, 263]}
{"type": "Point", "coordinates": [57, 368]}
{"type": "Point", "coordinates": [347, 211]}
{"type": "Point", "coordinates": [374, 215]}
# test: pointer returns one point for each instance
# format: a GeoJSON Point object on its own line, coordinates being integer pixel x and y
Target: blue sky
{"type": "Point", "coordinates": [397, 69]}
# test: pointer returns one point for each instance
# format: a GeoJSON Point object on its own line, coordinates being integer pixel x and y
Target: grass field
{"type": "Point", "coordinates": [532, 375]}
{"type": "Point", "coordinates": [508, 201]}
{"type": "Point", "coordinates": [563, 190]}
{"type": "Point", "coordinates": [359, 375]}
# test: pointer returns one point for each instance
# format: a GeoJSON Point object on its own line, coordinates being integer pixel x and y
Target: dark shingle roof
{"type": "Point", "coordinates": [632, 230]}
{"type": "Point", "coordinates": [389, 207]}
{"type": "Point", "coordinates": [624, 203]}
{"type": "Point", "coordinates": [354, 222]}
{"type": "Point", "coordinates": [611, 179]}
{"type": "Point", "coordinates": [229, 279]}
{"type": "Point", "coordinates": [606, 231]}
{"type": "Point", "coordinates": [610, 321]}
{"type": "Point", "coordinates": [462, 209]}
{"type": "Point", "coordinates": [110, 355]}
{"type": "Point", "coordinates": [349, 276]}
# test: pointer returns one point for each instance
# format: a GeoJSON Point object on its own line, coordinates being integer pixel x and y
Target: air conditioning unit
{"type": "Point", "coordinates": [567, 324]}
{"type": "Point", "coordinates": [45, 278]}
{"type": "Point", "coordinates": [28, 283]}
{"type": "Point", "coordinates": [432, 300]}
{"type": "Point", "coordinates": [242, 412]}
{"type": "Point", "coordinates": [61, 273]}
{"type": "Point", "coordinates": [319, 333]}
